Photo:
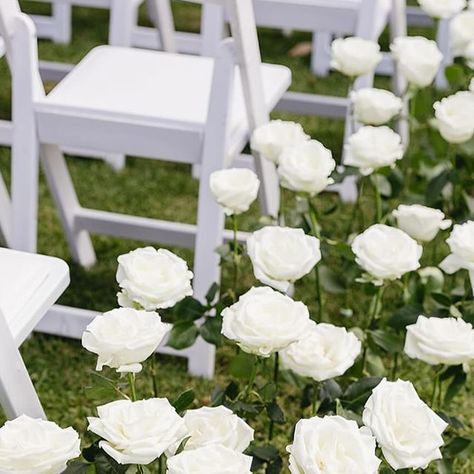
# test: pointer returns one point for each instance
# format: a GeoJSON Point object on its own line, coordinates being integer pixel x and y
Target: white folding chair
{"type": "Point", "coordinates": [29, 286]}
{"type": "Point", "coordinates": [157, 105]}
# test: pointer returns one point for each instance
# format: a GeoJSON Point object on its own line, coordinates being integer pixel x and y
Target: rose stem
{"type": "Point", "coordinates": [276, 370]}
{"type": "Point", "coordinates": [315, 405]}
{"type": "Point", "coordinates": [375, 305]}
{"type": "Point", "coordinates": [153, 375]}
{"type": "Point", "coordinates": [315, 232]}
{"type": "Point", "coordinates": [378, 199]}
{"type": "Point", "coordinates": [131, 383]}
{"type": "Point", "coordinates": [235, 255]}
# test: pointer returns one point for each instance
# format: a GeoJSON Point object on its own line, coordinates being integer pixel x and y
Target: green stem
{"type": "Point", "coordinates": [131, 383]}
{"type": "Point", "coordinates": [395, 366]}
{"type": "Point", "coordinates": [315, 404]}
{"type": "Point", "coordinates": [357, 205]}
{"type": "Point", "coordinates": [251, 380]}
{"type": "Point", "coordinates": [378, 199]}
{"type": "Point", "coordinates": [315, 232]}
{"type": "Point", "coordinates": [153, 375]}
{"type": "Point", "coordinates": [162, 464]}
{"type": "Point", "coordinates": [434, 391]}
{"type": "Point", "coordinates": [140, 469]}
{"type": "Point", "coordinates": [276, 371]}
{"type": "Point", "coordinates": [376, 305]}
{"type": "Point", "coordinates": [235, 256]}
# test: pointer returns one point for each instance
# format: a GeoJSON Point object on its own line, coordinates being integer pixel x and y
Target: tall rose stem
{"type": "Point", "coordinates": [378, 199]}
{"type": "Point", "coordinates": [140, 469]}
{"type": "Point", "coordinates": [395, 366]}
{"type": "Point", "coordinates": [315, 232]}
{"type": "Point", "coordinates": [315, 404]}
{"type": "Point", "coordinates": [131, 383]}
{"type": "Point", "coordinates": [153, 376]}
{"type": "Point", "coordinates": [357, 205]}
{"type": "Point", "coordinates": [452, 158]}
{"type": "Point", "coordinates": [235, 256]}
{"type": "Point", "coordinates": [375, 307]}
{"type": "Point", "coordinates": [276, 371]}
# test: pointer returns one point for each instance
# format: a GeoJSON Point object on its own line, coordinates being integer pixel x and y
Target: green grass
{"type": "Point", "coordinates": [60, 368]}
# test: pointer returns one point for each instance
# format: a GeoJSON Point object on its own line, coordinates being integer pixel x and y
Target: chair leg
{"type": "Point", "coordinates": [17, 393]}
{"type": "Point", "coordinates": [321, 56]}
{"type": "Point", "coordinates": [202, 359]}
{"type": "Point", "coordinates": [5, 213]}
{"type": "Point", "coordinates": [66, 200]}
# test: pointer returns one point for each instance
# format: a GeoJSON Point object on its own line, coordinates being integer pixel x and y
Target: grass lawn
{"type": "Point", "coordinates": [60, 368]}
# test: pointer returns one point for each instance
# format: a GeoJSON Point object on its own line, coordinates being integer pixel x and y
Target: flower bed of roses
{"type": "Point", "coordinates": [357, 416]}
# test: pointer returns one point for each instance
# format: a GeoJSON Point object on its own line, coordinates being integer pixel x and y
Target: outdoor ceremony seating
{"type": "Point", "coordinates": [185, 109]}
{"type": "Point", "coordinates": [29, 286]}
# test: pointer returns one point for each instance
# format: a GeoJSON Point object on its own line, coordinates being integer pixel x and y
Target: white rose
{"type": "Point", "coordinates": [371, 148]}
{"type": "Point", "coordinates": [461, 243]}
{"type": "Point", "coordinates": [386, 253]}
{"type": "Point", "coordinates": [209, 460]}
{"type": "Point", "coordinates": [29, 446]}
{"type": "Point", "coordinates": [137, 432]}
{"type": "Point", "coordinates": [306, 167]}
{"type": "Point", "coordinates": [455, 117]}
{"type": "Point", "coordinates": [264, 321]}
{"type": "Point", "coordinates": [270, 139]}
{"type": "Point", "coordinates": [469, 54]}
{"type": "Point", "coordinates": [461, 32]}
{"type": "Point", "coordinates": [282, 255]}
{"type": "Point", "coordinates": [152, 278]}
{"type": "Point", "coordinates": [124, 337]}
{"type": "Point", "coordinates": [418, 59]}
{"type": "Point", "coordinates": [234, 189]}
{"type": "Point", "coordinates": [326, 351]}
{"type": "Point", "coordinates": [421, 222]}
{"type": "Point", "coordinates": [407, 430]}
{"type": "Point", "coordinates": [217, 425]}
{"type": "Point", "coordinates": [332, 445]}
{"type": "Point", "coordinates": [442, 8]}
{"type": "Point", "coordinates": [435, 341]}
{"type": "Point", "coordinates": [433, 277]}
{"type": "Point", "coordinates": [375, 106]}
{"type": "Point", "coordinates": [355, 56]}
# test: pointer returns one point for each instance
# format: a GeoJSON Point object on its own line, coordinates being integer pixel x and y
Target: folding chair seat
{"type": "Point", "coordinates": [145, 103]}
{"type": "Point", "coordinates": [29, 286]}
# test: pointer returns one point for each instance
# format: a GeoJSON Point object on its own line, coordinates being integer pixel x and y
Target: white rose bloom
{"type": "Point", "coordinates": [306, 167]}
{"type": "Point", "coordinates": [442, 8]}
{"type": "Point", "coordinates": [124, 337]}
{"type": "Point", "coordinates": [355, 56]}
{"type": "Point", "coordinates": [432, 276]}
{"type": "Point", "coordinates": [332, 445]}
{"type": "Point", "coordinates": [375, 106]}
{"type": "Point", "coordinates": [217, 425]}
{"type": "Point", "coordinates": [421, 222]}
{"type": "Point", "coordinates": [264, 321]}
{"type": "Point", "coordinates": [461, 32]}
{"type": "Point", "coordinates": [270, 139]}
{"type": "Point", "coordinates": [461, 243]}
{"type": "Point", "coordinates": [214, 459]}
{"type": "Point", "coordinates": [448, 341]}
{"type": "Point", "coordinates": [282, 255]}
{"type": "Point", "coordinates": [418, 59]}
{"type": "Point", "coordinates": [234, 189]}
{"type": "Point", "coordinates": [371, 148]}
{"type": "Point", "coordinates": [407, 430]}
{"type": "Point", "coordinates": [33, 446]}
{"type": "Point", "coordinates": [455, 117]}
{"type": "Point", "coordinates": [326, 351]}
{"type": "Point", "coordinates": [386, 253]}
{"type": "Point", "coordinates": [137, 432]}
{"type": "Point", "coordinates": [152, 278]}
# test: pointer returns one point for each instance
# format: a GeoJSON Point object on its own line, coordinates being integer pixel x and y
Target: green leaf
{"type": "Point", "coordinates": [212, 293]}
{"type": "Point", "coordinates": [383, 184]}
{"type": "Point", "coordinates": [184, 401]}
{"type": "Point", "coordinates": [104, 464]}
{"type": "Point", "coordinates": [375, 365]}
{"type": "Point", "coordinates": [211, 330]}
{"type": "Point", "coordinates": [275, 413]}
{"type": "Point", "coordinates": [358, 393]}
{"type": "Point", "coordinates": [242, 366]}
{"type": "Point", "coordinates": [442, 299]}
{"type": "Point", "coordinates": [268, 392]}
{"type": "Point", "coordinates": [77, 468]}
{"type": "Point", "coordinates": [183, 335]}
{"type": "Point", "coordinates": [435, 187]}
{"type": "Point", "coordinates": [388, 340]}
{"type": "Point", "coordinates": [455, 386]}
{"type": "Point", "coordinates": [188, 309]}
{"type": "Point", "coordinates": [330, 280]}
{"type": "Point", "coordinates": [405, 316]}
{"type": "Point", "coordinates": [455, 76]}
{"type": "Point", "coordinates": [266, 453]}
{"type": "Point", "coordinates": [459, 447]}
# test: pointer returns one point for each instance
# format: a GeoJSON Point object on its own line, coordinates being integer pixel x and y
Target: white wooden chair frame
{"type": "Point", "coordinates": [36, 118]}
{"type": "Point", "coordinates": [17, 393]}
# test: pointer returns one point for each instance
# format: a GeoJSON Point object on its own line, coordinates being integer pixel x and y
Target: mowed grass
{"type": "Point", "coordinates": [60, 368]}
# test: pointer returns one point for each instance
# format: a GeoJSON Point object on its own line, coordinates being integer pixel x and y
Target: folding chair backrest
{"type": "Point", "coordinates": [9, 11]}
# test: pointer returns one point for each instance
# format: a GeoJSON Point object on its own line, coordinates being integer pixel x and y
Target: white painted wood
{"type": "Point", "coordinates": [153, 104]}
{"type": "Point", "coordinates": [29, 286]}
